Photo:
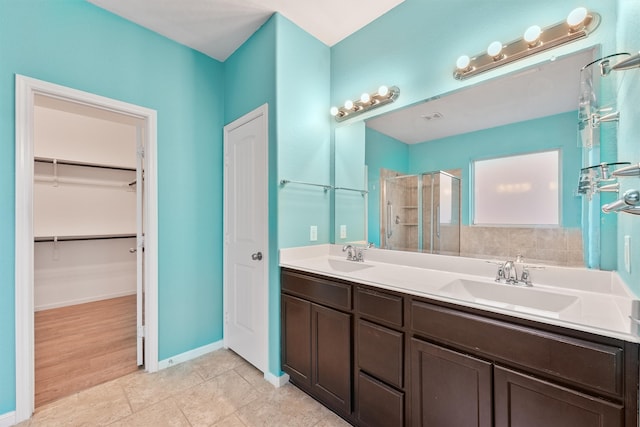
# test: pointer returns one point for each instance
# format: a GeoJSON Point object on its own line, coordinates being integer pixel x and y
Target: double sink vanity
{"type": "Point", "coordinates": [409, 339]}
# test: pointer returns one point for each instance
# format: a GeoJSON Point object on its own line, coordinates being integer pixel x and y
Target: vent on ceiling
{"type": "Point", "coordinates": [432, 116]}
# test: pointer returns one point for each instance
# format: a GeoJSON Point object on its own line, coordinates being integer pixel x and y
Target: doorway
{"type": "Point", "coordinates": [30, 92]}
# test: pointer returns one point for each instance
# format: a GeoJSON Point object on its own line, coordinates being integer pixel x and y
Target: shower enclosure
{"type": "Point", "coordinates": [421, 213]}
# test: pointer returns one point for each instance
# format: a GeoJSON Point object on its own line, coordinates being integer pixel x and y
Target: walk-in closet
{"type": "Point", "coordinates": [85, 214]}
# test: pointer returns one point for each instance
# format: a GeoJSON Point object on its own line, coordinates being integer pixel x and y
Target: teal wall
{"type": "Point", "coordinates": [349, 163]}
{"type": "Point", "coordinates": [250, 76]}
{"type": "Point", "coordinates": [303, 134]}
{"type": "Point", "coordinates": [416, 44]}
{"type": "Point", "coordinates": [628, 83]}
{"type": "Point", "coordinates": [75, 44]}
{"type": "Point", "coordinates": [303, 126]}
{"type": "Point", "coordinates": [283, 66]}
{"type": "Point", "coordinates": [381, 151]}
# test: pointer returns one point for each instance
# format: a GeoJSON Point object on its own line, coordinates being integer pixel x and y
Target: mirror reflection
{"type": "Point", "coordinates": [419, 166]}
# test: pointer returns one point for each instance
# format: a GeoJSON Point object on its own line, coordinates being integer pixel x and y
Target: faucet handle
{"type": "Point", "coordinates": [526, 276]}
{"type": "Point", "coordinates": [500, 273]}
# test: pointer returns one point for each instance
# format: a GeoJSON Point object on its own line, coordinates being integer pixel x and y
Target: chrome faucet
{"type": "Point", "coordinates": [508, 271]}
{"type": "Point", "coordinates": [353, 253]}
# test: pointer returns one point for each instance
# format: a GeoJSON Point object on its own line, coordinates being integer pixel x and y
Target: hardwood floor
{"type": "Point", "coordinates": [79, 346]}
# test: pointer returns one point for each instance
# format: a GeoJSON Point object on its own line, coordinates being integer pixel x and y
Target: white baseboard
{"type": "Point", "coordinates": [188, 355]}
{"type": "Point", "coordinates": [276, 381]}
{"type": "Point", "coordinates": [8, 419]}
{"type": "Point", "coordinates": [83, 300]}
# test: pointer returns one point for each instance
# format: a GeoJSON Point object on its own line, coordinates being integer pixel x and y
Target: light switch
{"type": "Point", "coordinates": [343, 231]}
{"type": "Point", "coordinates": [313, 233]}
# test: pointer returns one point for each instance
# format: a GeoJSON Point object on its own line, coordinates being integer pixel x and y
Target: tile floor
{"type": "Point", "coordinates": [218, 389]}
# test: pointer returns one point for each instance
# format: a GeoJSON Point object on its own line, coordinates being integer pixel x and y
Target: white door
{"type": "Point", "coordinates": [139, 243]}
{"type": "Point", "coordinates": [246, 225]}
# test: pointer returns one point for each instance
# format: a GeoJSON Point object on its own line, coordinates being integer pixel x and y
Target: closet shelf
{"type": "Point", "coordinates": [83, 237]}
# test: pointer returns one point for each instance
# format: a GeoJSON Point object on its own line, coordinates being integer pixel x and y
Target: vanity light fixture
{"type": "Point", "coordinates": [579, 23]}
{"type": "Point", "coordinates": [367, 101]}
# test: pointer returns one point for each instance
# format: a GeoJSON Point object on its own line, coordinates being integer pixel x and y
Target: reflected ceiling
{"type": "Point", "coordinates": [547, 89]}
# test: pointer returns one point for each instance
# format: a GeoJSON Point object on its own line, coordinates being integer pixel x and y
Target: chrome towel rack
{"type": "Point", "coordinates": [326, 187]}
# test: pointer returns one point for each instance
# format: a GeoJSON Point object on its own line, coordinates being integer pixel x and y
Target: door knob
{"type": "Point", "coordinates": [257, 256]}
{"type": "Point", "coordinates": [133, 250]}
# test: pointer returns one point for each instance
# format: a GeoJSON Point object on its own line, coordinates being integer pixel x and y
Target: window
{"type": "Point", "coordinates": [517, 190]}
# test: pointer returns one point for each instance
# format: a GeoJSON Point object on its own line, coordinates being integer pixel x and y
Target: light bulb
{"type": "Point", "coordinates": [348, 104]}
{"type": "Point", "coordinates": [334, 111]}
{"type": "Point", "coordinates": [365, 98]}
{"type": "Point", "coordinates": [532, 34]}
{"type": "Point", "coordinates": [463, 62]}
{"type": "Point", "coordinates": [576, 17]}
{"type": "Point", "coordinates": [494, 49]}
{"type": "Point", "coordinates": [383, 90]}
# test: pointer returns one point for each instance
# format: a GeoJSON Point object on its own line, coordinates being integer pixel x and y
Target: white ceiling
{"type": "Point", "coordinates": [547, 89]}
{"type": "Point", "coordinates": [218, 27]}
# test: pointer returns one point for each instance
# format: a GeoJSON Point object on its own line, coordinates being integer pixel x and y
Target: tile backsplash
{"type": "Point", "coordinates": [552, 246]}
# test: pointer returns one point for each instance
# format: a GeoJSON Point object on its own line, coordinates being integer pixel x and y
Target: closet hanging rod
{"type": "Point", "coordinates": [79, 238]}
{"type": "Point", "coordinates": [363, 192]}
{"type": "Point", "coordinates": [288, 181]}
{"type": "Point", "coordinates": [80, 181]}
{"type": "Point", "coordinates": [76, 163]}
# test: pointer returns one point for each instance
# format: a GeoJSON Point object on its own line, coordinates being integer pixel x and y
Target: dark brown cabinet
{"type": "Point", "coordinates": [316, 341]}
{"type": "Point", "coordinates": [296, 339]}
{"type": "Point", "coordinates": [524, 401]}
{"type": "Point", "coordinates": [380, 358]}
{"type": "Point", "coordinates": [441, 380]}
{"type": "Point", "coordinates": [331, 357]}
{"type": "Point", "coordinates": [383, 358]}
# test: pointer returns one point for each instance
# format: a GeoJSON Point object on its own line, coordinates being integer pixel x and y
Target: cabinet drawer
{"type": "Point", "coordinates": [321, 291]}
{"type": "Point", "coordinates": [380, 306]}
{"type": "Point", "coordinates": [378, 404]}
{"type": "Point", "coordinates": [592, 365]}
{"type": "Point", "coordinates": [380, 352]}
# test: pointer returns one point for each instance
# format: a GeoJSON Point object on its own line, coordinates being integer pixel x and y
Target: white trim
{"type": "Point", "coordinates": [263, 110]}
{"type": "Point", "coordinates": [189, 355]}
{"type": "Point", "coordinates": [26, 89]}
{"type": "Point", "coordinates": [276, 381]}
{"type": "Point", "coordinates": [8, 419]}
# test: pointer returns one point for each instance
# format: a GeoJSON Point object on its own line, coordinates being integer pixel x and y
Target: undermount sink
{"type": "Point", "coordinates": [347, 266]}
{"type": "Point", "coordinates": [510, 297]}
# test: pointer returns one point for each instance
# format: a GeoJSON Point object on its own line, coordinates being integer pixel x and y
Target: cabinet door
{"type": "Point", "coordinates": [296, 339]}
{"type": "Point", "coordinates": [331, 357]}
{"type": "Point", "coordinates": [524, 401]}
{"type": "Point", "coordinates": [449, 388]}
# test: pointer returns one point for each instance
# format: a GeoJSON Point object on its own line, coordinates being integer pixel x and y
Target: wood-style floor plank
{"type": "Point", "coordinates": [79, 346]}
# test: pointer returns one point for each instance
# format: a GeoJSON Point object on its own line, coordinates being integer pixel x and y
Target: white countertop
{"type": "Point", "coordinates": [596, 301]}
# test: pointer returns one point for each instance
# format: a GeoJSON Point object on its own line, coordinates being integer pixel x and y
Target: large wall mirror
{"type": "Point", "coordinates": [417, 164]}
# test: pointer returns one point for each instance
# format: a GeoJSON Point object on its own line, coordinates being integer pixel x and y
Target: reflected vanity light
{"type": "Point", "coordinates": [579, 24]}
{"type": "Point", "coordinates": [383, 96]}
